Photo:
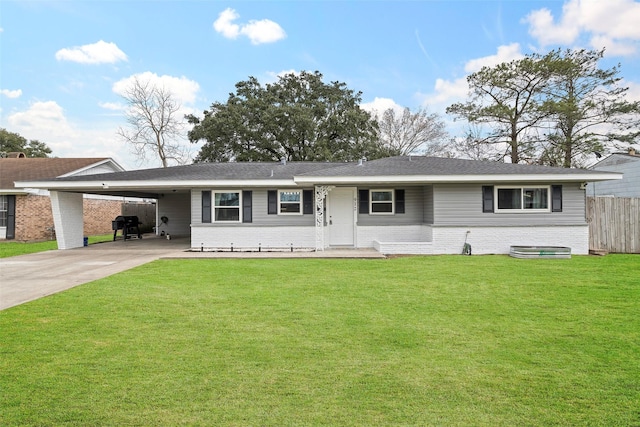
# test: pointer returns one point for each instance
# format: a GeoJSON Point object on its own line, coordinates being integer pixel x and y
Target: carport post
{"type": "Point", "coordinates": [68, 219]}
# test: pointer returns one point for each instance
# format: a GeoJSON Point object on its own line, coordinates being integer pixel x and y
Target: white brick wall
{"type": "Point", "coordinates": [251, 237]}
{"type": "Point", "coordinates": [413, 239]}
{"type": "Point", "coordinates": [366, 235]}
{"type": "Point", "coordinates": [498, 240]}
{"type": "Point", "coordinates": [68, 219]}
{"type": "Point", "coordinates": [413, 248]}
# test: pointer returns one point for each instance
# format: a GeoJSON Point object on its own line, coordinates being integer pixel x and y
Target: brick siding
{"type": "Point", "coordinates": [34, 219]}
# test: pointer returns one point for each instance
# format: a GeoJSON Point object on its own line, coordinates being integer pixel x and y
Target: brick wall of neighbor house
{"type": "Point", "coordinates": [98, 215]}
{"type": "Point", "coordinates": [34, 219]}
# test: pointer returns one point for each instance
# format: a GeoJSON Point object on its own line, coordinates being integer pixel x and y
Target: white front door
{"type": "Point", "coordinates": [340, 216]}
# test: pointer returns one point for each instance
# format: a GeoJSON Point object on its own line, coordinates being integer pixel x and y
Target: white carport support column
{"type": "Point", "coordinates": [68, 219]}
{"type": "Point", "coordinates": [320, 192]}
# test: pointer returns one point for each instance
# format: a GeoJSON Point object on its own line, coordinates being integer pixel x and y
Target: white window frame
{"type": "Point", "coordinates": [299, 202]}
{"type": "Point", "coordinates": [214, 206]}
{"type": "Point", "coordinates": [372, 202]}
{"type": "Point", "coordinates": [4, 207]}
{"type": "Point", "coordinates": [522, 208]}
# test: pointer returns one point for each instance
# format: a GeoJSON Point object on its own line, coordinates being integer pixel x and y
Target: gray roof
{"type": "Point", "coordinates": [391, 166]}
{"type": "Point", "coordinates": [437, 166]}
{"type": "Point", "coordinates": [215, 171]}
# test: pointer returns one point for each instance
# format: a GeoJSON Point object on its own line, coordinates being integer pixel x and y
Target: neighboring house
{"type": "Point", "coordinates": [25, 213]}
{"type": "Point", "coordinates": [626, 163]}
{"type": "Point", "coordinates": [407, 204]}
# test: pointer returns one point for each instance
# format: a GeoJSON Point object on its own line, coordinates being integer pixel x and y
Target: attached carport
{"type": "Point", "coordinates": [172, 202]}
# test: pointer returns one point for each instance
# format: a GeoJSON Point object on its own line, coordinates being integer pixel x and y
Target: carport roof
{"type": "Point", "coordinates": [214, 171]}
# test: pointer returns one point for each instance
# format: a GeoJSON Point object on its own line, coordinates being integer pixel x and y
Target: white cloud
{"type": "Point", "coordinates": [543, 28]}
{"type": "Point", "coordinates": [380, 105]}
{"type": "Point", "coordinates": [11, 93]}
{"type": "Point", "coordinates": [97, 53]}
{"type": "Point", "coordinates": [224, 24]}
{"type": "Point", "coordinates": [613, 47]}
{"type": "Point", "coordinates": [258, 32]}
{"type": "Point", "coordinates": [43, 116]}
{"type": "Point", "coordinates": [183, 90]}
{"type": "Point", "coordinates": [633, 94]}
{"type": "Point", "coordinates": [271, 77]}
{"type": "Point", "coordinates": [263, 31]}
{"type": "Point", "coordinates": [113, 106]}
{"type": "Point", "coordinates": [505, 53]}
{"type": "Point", "coordinates": [46, 122]}
{"type": "Point", "coordinates": [447, 92]}
{"type": "Point", "coordinates": [614, 22]}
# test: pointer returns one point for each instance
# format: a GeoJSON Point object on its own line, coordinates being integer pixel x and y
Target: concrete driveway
{"type": "Point", "coordinates": [28, 277]}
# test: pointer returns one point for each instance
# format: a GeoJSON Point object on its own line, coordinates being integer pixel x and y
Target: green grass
{"type": "Point", "coordinates": [442, 340]}
{"type": "Point", "coordinates": [12, 248]}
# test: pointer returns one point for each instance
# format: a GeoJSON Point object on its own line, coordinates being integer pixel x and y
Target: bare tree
{"type": "Point", "coordinates": [155, 125]}
{"type": "Point", "coordinates": [469, 147]}
{"type": "Point", "coordinates": [412, 133]}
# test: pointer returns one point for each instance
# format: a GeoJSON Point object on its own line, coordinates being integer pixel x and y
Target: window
{"type": "Point", "coordinates": [524, 199]}
{"type": "Point", "coordinates": [226, 206]}
{"type": "Point", "coordinates": [381, 202]}
{"type": "Point", "coordinates": [290, 202]}
{"type": "Point", "coordinates": [4, 210]}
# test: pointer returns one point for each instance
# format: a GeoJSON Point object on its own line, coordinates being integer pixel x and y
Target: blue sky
{"type": "Point", "coordinates": [64, 63]}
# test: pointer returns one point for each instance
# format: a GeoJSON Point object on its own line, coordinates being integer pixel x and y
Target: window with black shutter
{"type": "Point", "coordinates": [399, 201]}
{"type": "Point", "coordinates": [556, 198]}
{"type": "Point", "coordinates": [206, 206]}
{"type": "Point", "coordinates": [363, 203]}
{"type": "Point", "coordinates": [272, 202]}
{"type": "Point", "coordinates": [487, 198]}
{"type": "Point", "coordinates": [307, 202]}
{"type": "Point", "coordinates": [247, 200]}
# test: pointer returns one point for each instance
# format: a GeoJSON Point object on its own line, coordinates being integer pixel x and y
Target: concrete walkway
{"type": "Point", "coordinates": [28, 277]}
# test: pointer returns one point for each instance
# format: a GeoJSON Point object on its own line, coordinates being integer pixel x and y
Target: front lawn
{"type": "Point", "coordinates": [441, 340]}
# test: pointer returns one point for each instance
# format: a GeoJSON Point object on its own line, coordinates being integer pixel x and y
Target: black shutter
{"type": "Point", "coordinates": [363, 195]}
{"type": "Point", "coordinates": [11, 217]}
{"type": "Point", "coordinates": [307, 202]}
{"type": "Point", "coordinates": [487, 198]}
{"type": "Point", "coordinates": [206, 206]}
{"type": "Point", "coordinates": [272, 202]}
{"type": "Point", "coordinates": [556, 198]}
{"type": "Point", "coordinates": [399, 201]}
{"type": "Point", "coordinates": [247, 200]}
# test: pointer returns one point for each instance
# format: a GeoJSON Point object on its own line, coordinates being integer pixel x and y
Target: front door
{"type": "Point", "coordinates": [340, 219]}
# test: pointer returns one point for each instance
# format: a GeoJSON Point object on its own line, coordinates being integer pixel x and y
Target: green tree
{"type": "Point", "coordinates": [506, 97]}
{"type": "Point", "coordinates": [587, 108]}
{"type": "Point", "coordinates": [412, 132]}
{"type": "Point", "coordinates": [297, 118]}
{"type": "Point", "coordinates": [11, 142]}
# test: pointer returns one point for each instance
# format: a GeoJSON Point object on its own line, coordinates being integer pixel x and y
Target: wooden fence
{"type": "Point", "coordinates": [614, 224]}
{"type": "Point", "coordinates": [146, 213]}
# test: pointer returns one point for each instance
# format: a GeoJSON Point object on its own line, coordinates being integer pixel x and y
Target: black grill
{"type": "Point", "coordinates": [129, 224]}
